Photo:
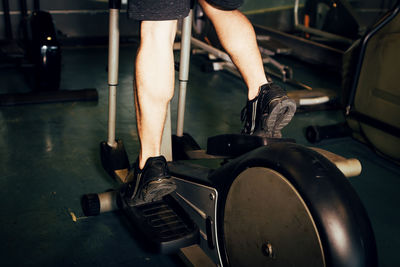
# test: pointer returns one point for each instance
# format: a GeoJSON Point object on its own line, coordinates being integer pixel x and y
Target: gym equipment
{"type": "Point", "coordinates": [306, 99]}
{"type": "Point", "coordinates": [280, 204]}
{"type": "Point", "coordinates": [330, 20]}
{"type": "Point", "coordinates": [309, 50]}
{"type": "Point", "coordinates": [43, 52]}
{"type": "Point", "coordinates": [306, 50]}
{"type": "Point", "coordinates": [372, 106]}
{"type": "Point", "coordinates": [311, 42]}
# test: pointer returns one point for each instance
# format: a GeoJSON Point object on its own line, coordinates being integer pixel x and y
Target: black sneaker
{"type": "Point", "coordinates": [149, 184]}
{"type": "Point", "coordinates": [268, 113]}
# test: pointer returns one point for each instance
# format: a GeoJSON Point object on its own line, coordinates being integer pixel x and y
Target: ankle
{"type": "Point", "coordinates": [147, 161]}
{"type": "Point", "coordinates": [142, 160]}
{"type": "Point", "coordinates": [254, 92]}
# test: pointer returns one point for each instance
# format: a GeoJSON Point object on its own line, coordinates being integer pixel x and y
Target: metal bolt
{"type": "Point", "coordinates": [212, 197]}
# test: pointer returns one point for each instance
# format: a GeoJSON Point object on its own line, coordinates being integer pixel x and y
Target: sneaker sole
{"type": "Point", "coordinates": [282, 112]}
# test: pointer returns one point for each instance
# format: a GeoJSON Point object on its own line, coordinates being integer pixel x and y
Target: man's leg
{"type": "Point", "coordinates": [238, 38]}
{"type": "Point", "coordinates": [154, 84]}
{"type": "Point", "coordinates": [149, 180]}
{"type": "Point", "coordinates": [154, 88]}
{"type": "Point", "coordinates": [268, 108]}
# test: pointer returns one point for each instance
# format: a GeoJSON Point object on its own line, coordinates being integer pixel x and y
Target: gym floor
{"type": "Point", "coordinates": [49, 158]}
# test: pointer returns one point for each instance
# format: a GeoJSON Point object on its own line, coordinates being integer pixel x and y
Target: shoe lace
{"type": "Point", "coordinates": [244, 117]}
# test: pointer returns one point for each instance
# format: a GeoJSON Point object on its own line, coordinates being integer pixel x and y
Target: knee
{"type": "Point", "coordinates": [221, 5]}
{"type": "Point", "coordinates": [217, 13]}
{"type": "Point", "coordinates": [158, 32]}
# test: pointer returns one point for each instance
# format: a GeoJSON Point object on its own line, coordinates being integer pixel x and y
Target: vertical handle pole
{"type": "Point", "coordinates": [184, 70]}
{"type": "Point", "coordinates": [113, 56]}
{"type": "Point", "coordinates": [166, 144]}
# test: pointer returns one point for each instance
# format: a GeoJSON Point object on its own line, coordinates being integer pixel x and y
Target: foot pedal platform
{"type": "Point", "coordinates": [164, 225]}
{"type": "Point", "coordinates": [181, 145]}
{"type": "Point", "coordinates": [233, 145]}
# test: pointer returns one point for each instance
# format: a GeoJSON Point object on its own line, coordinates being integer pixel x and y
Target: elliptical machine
{"type": "Point", "coordinates": [274, 203]}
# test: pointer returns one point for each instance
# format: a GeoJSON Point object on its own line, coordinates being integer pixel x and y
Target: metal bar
{"type": "Point", "coordinates": [166, 139]}
{"type": "Point", "coordinates": [305, 49]}
{"type": "Point", "coordinates": [184, 70]}
{"type": "Point", "coordinates": [113, 55]}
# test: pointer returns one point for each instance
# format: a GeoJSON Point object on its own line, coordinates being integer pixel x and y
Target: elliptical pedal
{"type": "Point", "coordinates": [164, 224]}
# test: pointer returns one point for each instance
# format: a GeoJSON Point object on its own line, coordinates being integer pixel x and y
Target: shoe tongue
{"type": "Point", "coordinates": [155, 162]}
{"type": "Point", "coordinates": [263, 90]}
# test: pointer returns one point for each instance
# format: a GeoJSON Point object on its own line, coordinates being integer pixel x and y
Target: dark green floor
{"type": "Point", "coordinates": [49, 157]}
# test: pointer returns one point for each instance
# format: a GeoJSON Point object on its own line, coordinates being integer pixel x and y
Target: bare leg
{"type": "Point", "coordinates": [238, 38]}
{"type": "Point", "coordinates": [154, 84]}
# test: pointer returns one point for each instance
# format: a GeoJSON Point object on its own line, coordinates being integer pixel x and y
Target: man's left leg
{"type": "Point", "coordinates": [154, 87]}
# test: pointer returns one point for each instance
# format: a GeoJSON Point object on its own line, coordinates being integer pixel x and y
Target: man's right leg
{"type": "Point", "coordinates": [268, 108]}
{"type": "Point", "coordinates": [154, 87]}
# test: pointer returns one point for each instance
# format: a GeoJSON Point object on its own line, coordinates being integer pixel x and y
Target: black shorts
{"type": "Point", "coordinates": [171, 9]}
